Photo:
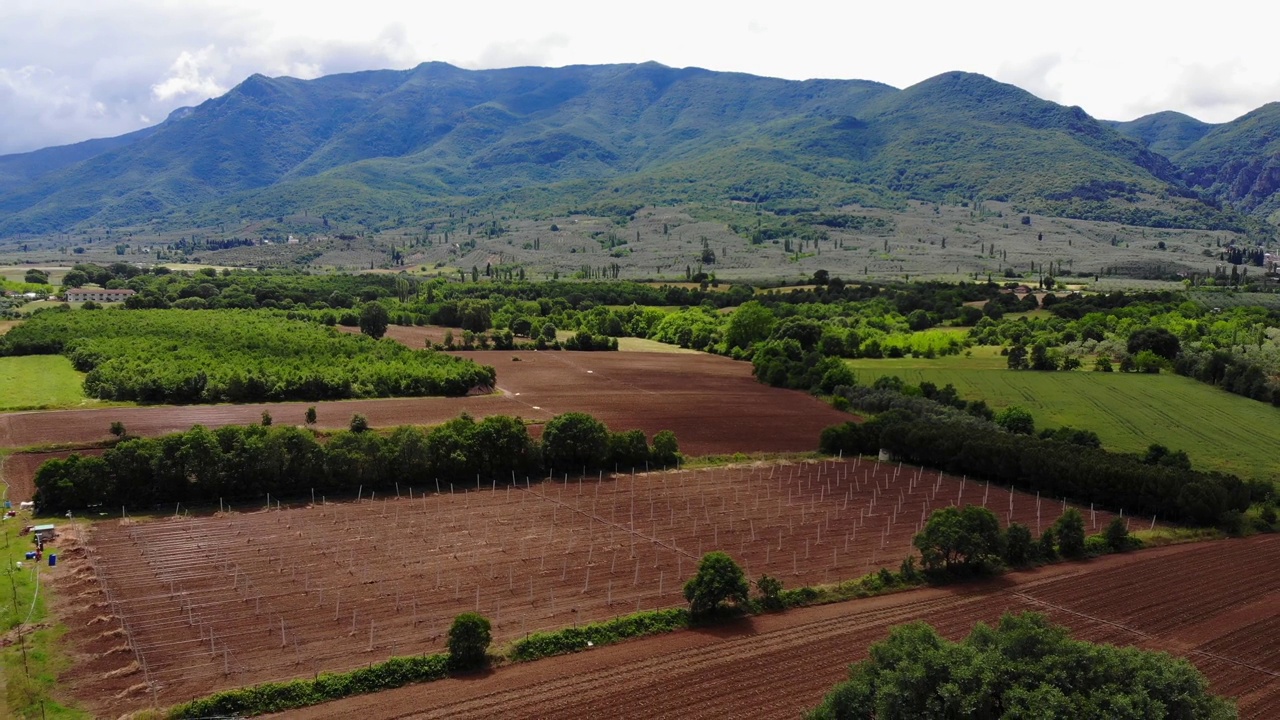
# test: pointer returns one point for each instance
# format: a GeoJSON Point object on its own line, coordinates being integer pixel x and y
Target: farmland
{"type": "Point", "coordinates": [712, 404]}
{"type": "Point", "coordinates": [1225, 622]}
{"type": "Point", "coordinates": [1128, 411]}
{"type": "Point", "coordinates": [228, 355]}
{"type": "Point", "coordinates": [251, 595]}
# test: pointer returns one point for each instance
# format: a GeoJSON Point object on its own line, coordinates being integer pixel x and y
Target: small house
{"type": "Point", "coordinates": [97, 295]}
{"type": "Point", "coordinates": [43, 532]}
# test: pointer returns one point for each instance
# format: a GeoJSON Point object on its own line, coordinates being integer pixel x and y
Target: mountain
{"type": "Point", "coordinates": [382, 148]}
{"type": "Point", "coordinates": [1167, 133]}
{"type": "Point", "coordinates": [1238, 162]}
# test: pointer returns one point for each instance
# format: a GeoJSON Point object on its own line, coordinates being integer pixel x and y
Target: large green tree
{"type": "Point", "coordinates": [959, 540]}
{"type": "Point", "coordinates": [374, 320]}
{"type": "Point", "coordinates": [1023, 668]}
{"type": "Point", "coordinates": [750, 323]}
{"type": "Point", "coordinates": [719, 583]}
{"type": "Point", "coordinates": [573, 441]}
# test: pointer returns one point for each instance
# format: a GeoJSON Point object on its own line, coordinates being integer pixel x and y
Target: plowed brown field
{"type": "Point", "coordinates": [246, 597]}
{"type": "Point", "coordinates": [18, 471]}
{"type": "Point", "coordinates": [713, 404]}
{"type": "Point", "coordinates": [1213, 603]}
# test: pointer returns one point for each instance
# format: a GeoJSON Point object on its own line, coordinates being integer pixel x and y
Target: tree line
{"type": "Point", "coordinates": [1051, 467]}
{"type": "Point", "coordinates": [203, 466]}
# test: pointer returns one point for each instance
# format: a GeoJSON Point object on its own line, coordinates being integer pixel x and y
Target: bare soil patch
{"type": "Point", "coordinates": [19, 471]}
{"type": "Point", "coordinates": [251, 595]}
{"type": "Point", "coordinates": [413, 336]}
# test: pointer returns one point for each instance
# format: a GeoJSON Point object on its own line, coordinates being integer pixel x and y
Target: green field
{"type": "Point", "coordinates": [632, 344]}
{"type": "Point", "coordinates": [40, 382]}
{"type": "Point", "coordinates": [1220, 431]}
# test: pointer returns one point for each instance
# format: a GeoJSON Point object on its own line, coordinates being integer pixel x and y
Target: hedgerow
{"type": "Point", "coordinates": [575, 639]}
{"type": "Point", "coordinates": [280, 696]}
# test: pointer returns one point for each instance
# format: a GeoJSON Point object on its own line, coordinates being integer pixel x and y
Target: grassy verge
{"type": "Point", "coordinates": [632, 344]}
{"type": "Point", "coordinates": [32, 662]}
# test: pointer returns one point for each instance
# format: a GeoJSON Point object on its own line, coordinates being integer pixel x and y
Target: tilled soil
{"type": "Point", "coordinates": [1214, 603]}
{"type": "Point", "coordinates": [713, 404]}
{"type": "Point", "coordinates": [250, 595]}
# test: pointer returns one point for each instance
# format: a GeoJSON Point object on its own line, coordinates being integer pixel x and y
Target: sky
{"type": "Point", "coordinates": [71, 70]}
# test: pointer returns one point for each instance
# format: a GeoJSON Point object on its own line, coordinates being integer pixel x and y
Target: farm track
{"type": "Point", "coordinates": [238, 598]}
{"type": "Point", "coordinates": [713, 404]}
{"type": "Point", "coordinates": [779, 665]}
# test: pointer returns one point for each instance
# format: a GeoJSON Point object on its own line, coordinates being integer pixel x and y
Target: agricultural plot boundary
{"type": "Point", "coordinates": [246, 597]}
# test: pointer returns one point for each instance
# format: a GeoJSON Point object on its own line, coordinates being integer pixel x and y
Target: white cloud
{"type": "Point", "coordinates": [74, 69]}
{"type": "Point", "coordinates": [187, 79]}
{"type": "Point", "coordinates": [519, 53]}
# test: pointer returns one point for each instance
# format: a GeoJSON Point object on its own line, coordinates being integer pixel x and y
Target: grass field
{"type": "Point", "coordinates": [631, 344]}
{"type": "Point", "coordinates": [41, 382]}
{"type": "Point", "coordinates": [1218, 430]}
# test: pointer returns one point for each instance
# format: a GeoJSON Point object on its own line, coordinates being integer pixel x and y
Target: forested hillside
{"type": "Point", "coordinates": [382, 148]}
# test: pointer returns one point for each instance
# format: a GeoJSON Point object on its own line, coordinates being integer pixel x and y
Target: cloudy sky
{"type": "Point", "coordinates": [77, 69]}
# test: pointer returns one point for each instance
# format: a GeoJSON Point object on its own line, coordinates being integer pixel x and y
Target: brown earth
{"type": "Point", "coordinates": [251, 596]}
{"type": "Point", "coordinates": [1226, 621]}
{"type": "Point", "coordinates": [413, 336]}
{"type": "Point", "coordinates": [713, 404]}
{"type": "Point", "coordinates": [18, 470]}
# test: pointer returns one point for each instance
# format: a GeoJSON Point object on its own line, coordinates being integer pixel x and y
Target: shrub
{"type": "Point", "coordinates": [1019, 548]}
{"type": "Point", "coordinates": [1096, 545]}
{"type": "Point", "coordinates": [666, 450]}
{"type": "Point", "coordinates": [468, 643]}
{"type": "Point", "coordinates": [1070, 532]}
{"type": "Point", "coordinates": [575, 639]}
{"type": "Point", "coordinates": [1116, 535]}
{"type": "Point", "coordinates": [770, 589]}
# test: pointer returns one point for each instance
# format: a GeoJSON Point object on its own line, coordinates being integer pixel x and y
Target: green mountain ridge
{"type": "Point", "coordinates": [1167, 133]}
{"type": "Point", "coordinates": [388, 146]}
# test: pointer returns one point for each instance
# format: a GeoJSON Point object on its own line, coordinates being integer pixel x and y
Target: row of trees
{"type": "Point", "coordinates": [1051, 467]}
{"type": "Point", "coordinates": [240, 462]}
{"type": "Point", "coordinates": [963, 541]}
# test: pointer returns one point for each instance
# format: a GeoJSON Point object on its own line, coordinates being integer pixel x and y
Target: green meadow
{"type": "Point", "coordinates": [1220, 431]}
{"type": "Point", "coordinates": [40, 382]}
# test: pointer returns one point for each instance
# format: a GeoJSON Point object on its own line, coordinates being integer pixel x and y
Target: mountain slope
{"type": "Point", "coordinates": [383, 147]}
{"type": "Point", "coordinates": [1167, 133]}
{"type": "Point", "coordinates": [1239, 161]}
{"type": "Point", "coordinates": [21, 168]}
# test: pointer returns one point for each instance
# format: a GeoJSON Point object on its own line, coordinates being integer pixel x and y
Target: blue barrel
{"type": "Point", "coordinates": [31, 555]}
{"type": "Point", "coordinates": [7, 505]}
{"type": "Point", "coordinates": [53, 559]}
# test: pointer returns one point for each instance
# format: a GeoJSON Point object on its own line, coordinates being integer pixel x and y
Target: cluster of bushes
{"type": "Point", "coordinates": [1078, 472]}
{"type": "Point", "coordinates": [234, 356]}
{"type": "Point", "coordinates": [293, 694]}
{"type": "Point", "coordinates": [235, 462]}
{"type": "Point", "coordinates": [1024, 667]}
{"type": "Point", "coordinates": [963, 541]}
{"type": "Point", "coordinates": [574, 639]}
